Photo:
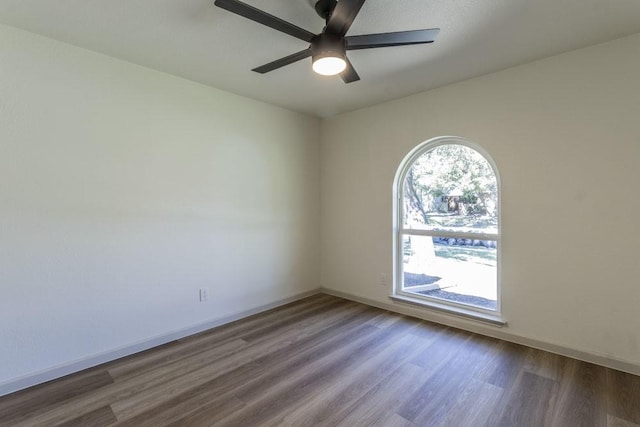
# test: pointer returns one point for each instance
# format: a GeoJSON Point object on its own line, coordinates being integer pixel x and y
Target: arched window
{"type": "Point", "coordinates": [447, 229]}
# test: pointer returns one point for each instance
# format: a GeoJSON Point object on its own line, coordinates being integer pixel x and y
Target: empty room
{"type": "Point", "coordinates": [320, 213]}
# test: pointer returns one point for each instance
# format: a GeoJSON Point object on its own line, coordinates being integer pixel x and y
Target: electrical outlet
{"type": "Point", "coordinates": [204, 294]}
{"type": "Point", "coordinates": [384, 280]}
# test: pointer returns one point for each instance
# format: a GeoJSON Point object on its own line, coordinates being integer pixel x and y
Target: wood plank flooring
{"type": "Point", "coordinates": [325, 361]}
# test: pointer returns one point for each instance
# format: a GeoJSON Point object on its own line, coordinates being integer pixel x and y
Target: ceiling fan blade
{"type": "Point", "coordinates": [401, 38]}
{"type": "Point", "coordinates": [343, 16]}
{"type": "Point", "coordinates": [250, 12]}
{"type": "Point", "coordinates": [278, 63]}
{"type": "Point", "coordinates": [349, 74]}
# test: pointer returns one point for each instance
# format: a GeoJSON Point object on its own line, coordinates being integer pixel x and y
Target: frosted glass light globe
{"type": "Point", "coordinates": [329, 65]}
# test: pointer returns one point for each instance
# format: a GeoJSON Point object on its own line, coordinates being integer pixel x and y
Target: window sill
{"type": "Point", "coordinates": [494, 320]}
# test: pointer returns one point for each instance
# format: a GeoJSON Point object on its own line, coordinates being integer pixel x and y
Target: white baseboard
{"type": "Point", "coordinates": [495, 332]}
{"type": "Point", "coordinates": [30, 380]}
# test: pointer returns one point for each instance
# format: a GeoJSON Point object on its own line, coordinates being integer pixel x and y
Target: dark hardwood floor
{"type": "Point", "coordinates": [328, 361]}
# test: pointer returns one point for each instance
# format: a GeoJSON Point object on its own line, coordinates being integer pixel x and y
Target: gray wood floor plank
{"type": "Point", "coordinates": [100, 417]}
{"type": "Point", "coordinates": [582, 397]}
{"type": "Point", "coordinates": [367, 375]}
{"type": "Point", "coordinates": [531, 402]}
{"type": "Point", "coordinates": [384, 398]}
{"type": "Point", "coordinates": [623, 396]}
{"type": "Point", "coordinates": [36, 400]}
{"type": "Point", "coordinates": [473, 406]}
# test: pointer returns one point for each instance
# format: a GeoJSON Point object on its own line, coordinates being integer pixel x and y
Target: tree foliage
{"type": "Point", "coordinates": [452, 179]}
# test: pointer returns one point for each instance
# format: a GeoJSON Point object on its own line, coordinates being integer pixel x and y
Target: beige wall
{"type": "Point", "coordinates": [565, 134]}
{"type": "Point", "coordinates": [124, 190]}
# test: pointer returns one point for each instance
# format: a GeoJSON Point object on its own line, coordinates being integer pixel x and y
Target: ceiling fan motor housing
{"type": "Point", "coordinates": [328, 45]}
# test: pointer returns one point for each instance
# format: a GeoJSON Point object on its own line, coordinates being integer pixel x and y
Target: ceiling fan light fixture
{"type": "Point", "coordinates": [329, 65]}
{"type": "Point", "coordinates": [328, 55]}
{"type": "Point", "coordinates": [328, 50]}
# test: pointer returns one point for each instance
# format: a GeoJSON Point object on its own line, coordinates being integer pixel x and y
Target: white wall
{"type": "Point", "coordinates": [565, 134]}
{"type": "Point", "coordinates": [124, 190]}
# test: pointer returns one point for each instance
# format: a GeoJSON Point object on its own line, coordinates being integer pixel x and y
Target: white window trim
{"type": "Point", "coordinates": [399, 295]}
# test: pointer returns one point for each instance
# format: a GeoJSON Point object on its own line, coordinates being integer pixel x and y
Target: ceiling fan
{"type": "Point", "coordinates": [328, 49]}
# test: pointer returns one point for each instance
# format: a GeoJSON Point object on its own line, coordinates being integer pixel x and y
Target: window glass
{"type": "Point", "coordinates": [451, 188]}
{"type": "Point", "coordinates": [461, 273]}
{"type": "Point", "coordinates": [448, 227]}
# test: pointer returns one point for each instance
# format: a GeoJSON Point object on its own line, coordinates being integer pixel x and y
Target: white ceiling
{"type": "Point", "coordinates": [196, 40]}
